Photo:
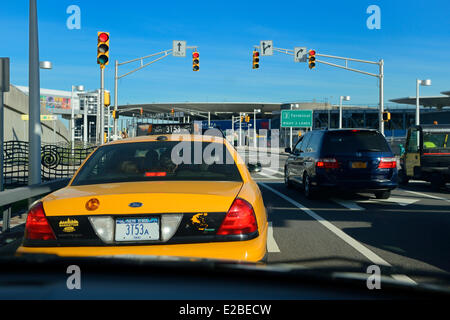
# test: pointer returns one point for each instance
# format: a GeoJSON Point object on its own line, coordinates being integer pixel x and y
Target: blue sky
{"type": "Point", "coordinates": [413, 41]}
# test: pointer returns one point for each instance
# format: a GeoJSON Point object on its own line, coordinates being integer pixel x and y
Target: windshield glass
{"type": "Point", "coordinates": [321, 129]}
{"type": "Point", "coordinates": [159, 161]}
{"type": "Point", "coordinates": [354, 141]}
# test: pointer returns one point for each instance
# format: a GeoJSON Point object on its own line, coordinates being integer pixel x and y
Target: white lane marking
{"type": "Point", "coordinates": [425, 195]}
{"type": "Point", "coordinates": [271, 243]}
{"type": "Point", "coordinates": [274, 171]}
{"type": "Point", "coordinates": [400, 201]}
{"type": "Point", "coordinates": [349, 204]}
{"type": "Point", "coordinates": [270, 176]}
{"type": "Point", "coordinates": [369, 254]}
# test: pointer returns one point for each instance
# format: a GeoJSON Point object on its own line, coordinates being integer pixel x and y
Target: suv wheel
{"type": "Point", "coordinates": [307, 188]}
{"type": "Point", "coordinates": [383, 194]}
{"type": "Point", "coordinates": [287, 181]}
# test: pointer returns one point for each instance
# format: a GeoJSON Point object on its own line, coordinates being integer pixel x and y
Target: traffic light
{"type": "Point", "coordinates": [312, 59]}
{"type": "Point", "coordinates": [141, 111]}
{"type": "Point", "coordinates": [107, 98]}
{"type": "Point", "coordinates": [102, 48]}
{"type": "Point", "coordinates": [247, 118]}
{"type": "Point", "coordinates": [255, 59]}
{"type": "Point", "coordinates": [195, 61]}
{"type": "Point", "coordinates": [115, 114]}
{"type": "Point", "coordinates": [386, 116]}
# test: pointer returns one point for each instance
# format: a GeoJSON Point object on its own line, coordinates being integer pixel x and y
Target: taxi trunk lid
{"type": "Point", "coordinates": [144, 198]}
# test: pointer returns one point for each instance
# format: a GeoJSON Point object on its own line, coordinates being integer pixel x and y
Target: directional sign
{"type": "Point", "coordinates": [44, 117]}
{"type": "Point", "coordinates": [179, 48]}
{"type": "Point", "coordinates": [266, 47]}
{"type": "Point", "coordinates": [300, 54]}
{"type": "Point", "coordinates": [296, 118]}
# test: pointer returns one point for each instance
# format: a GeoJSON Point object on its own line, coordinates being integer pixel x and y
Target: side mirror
{"type": "Point", "coordinates": [288, 150]}
{"type": "Point", "coordinates": [252, 167]}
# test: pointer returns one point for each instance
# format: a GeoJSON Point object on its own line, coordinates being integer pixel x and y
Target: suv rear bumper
{"type": "Point", "coordinates": [356, 185]}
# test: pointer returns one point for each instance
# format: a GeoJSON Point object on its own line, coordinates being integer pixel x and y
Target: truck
{"type": "Point", "coordinates": [426, 155]}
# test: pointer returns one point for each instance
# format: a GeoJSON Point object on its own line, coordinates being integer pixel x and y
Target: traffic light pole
{"type": "Point", "coordinates": [102, 107]}
{"type": "Point", "coordinates": [380, 75]}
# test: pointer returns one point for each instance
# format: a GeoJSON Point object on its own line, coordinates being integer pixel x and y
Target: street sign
{"type": "Point", "coordinates": [266, 48]}
{"type": "Point", "coordinates": [300, 54]}
{"type": "Point", "coordinates": [179, 48]}
{"type": "Point", "coordinates": [44, 117]}
{"type": "Point", "coordinates": [296, 118]}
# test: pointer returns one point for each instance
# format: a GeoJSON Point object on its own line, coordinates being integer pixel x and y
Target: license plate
{"type": "Point", "coordinates": [137, 229]}
{"type": "Point", "coordinates": [359, 165]}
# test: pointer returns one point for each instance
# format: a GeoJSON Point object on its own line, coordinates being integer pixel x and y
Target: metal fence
{"type": "Point", "coordinates": [57, 161]}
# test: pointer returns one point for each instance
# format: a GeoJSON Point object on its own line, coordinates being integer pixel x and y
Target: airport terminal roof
{"type": "Point", "coordinates": [433, 101]}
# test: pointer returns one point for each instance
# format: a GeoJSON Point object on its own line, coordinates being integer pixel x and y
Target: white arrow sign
{"type": "Point", "coordinates": [266, 47]}
{"type": "Point", "coordinates": [300, 54]}
{"type": "Point", "coordinates": [179, 48]}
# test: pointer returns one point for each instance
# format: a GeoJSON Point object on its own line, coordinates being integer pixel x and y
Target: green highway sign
{"type": "Point", "coordinates": [296, 118]}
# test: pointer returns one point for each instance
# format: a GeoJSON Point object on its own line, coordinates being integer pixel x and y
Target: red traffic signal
{"type": "Point", "coordinates": [255, 59]}
{"type": "Point", "coordinates": [312, 59]}
{"type": "Point", "coordinates": [103, 37]}
{"type": "Point", "coordinates": [195, 61]}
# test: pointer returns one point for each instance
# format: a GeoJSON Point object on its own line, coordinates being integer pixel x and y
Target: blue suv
{"type": "Point", "coordinates": [354, 160]}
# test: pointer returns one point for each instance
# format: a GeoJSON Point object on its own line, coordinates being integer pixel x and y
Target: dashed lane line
{"type": "Point", "coordinates": [271, 243]}
{"type": "Point", "coordinates": [369, 254]}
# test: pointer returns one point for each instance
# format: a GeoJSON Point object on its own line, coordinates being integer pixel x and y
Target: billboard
{"type": "Point", "coordinates": [56, 104]}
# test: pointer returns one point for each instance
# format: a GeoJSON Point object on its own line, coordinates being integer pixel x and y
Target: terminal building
{"type": "Point", "coordinates": [83, 107]}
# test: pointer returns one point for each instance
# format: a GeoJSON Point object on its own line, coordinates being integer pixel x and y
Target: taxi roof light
{"type": "Point", "coordinates": [240, 219]}
{"type": "Point", "coordinates": [37, 226]}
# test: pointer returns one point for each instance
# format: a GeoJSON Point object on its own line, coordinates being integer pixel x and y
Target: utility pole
{"type": "Point", "coordinates": [34, 123]}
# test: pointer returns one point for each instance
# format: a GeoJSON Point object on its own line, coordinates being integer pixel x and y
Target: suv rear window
{"type": "Point", "coordinates": [159, 161]}
{"type": "Point", "coordinates": [354, 141]}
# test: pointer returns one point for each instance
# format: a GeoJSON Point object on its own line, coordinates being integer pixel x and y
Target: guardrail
{"type": "Point", "coordinates": [9, 197]}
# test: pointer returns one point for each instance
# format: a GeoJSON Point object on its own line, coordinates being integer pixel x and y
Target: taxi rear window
{"type": "Point", "coordinates": [159, 161]}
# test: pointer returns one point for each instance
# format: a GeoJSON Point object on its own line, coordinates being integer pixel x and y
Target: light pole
{"type": "Point", "coordinates": [72, 105]}
{"type": "Point", "coordinates": [345, 98]}
{"type": "Point", "coordinates": [255, 144]}
{"type": "Point", "coordinates": [420, 83]}
{"type": "Point", "coordinates": [290, 129]}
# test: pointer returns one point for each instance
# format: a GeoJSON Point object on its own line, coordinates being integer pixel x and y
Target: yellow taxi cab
{"type": "Point", "coordinates": [183, 195]}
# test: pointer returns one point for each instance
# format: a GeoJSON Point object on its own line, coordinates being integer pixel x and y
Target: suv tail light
{"type": "Point", "coordinates": [387, 163]}
{"type": "Point", "coordinates": [240, 219]}
{"type": "Point", "coordinates": [37, 226]}
{"type": "Point", "coordinates": [327, 163]}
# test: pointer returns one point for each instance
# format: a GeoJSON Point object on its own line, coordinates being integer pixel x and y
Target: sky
{"type": "Point", "coordinates": [413, 41]}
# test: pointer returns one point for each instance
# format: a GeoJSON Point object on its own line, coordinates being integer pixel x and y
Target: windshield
{"type": "Point", "coordinates": [354, 141]}
{"type": "Point", "coordinates": [284, 135]}
{"type": "Point", "coordinates": [158, 161]}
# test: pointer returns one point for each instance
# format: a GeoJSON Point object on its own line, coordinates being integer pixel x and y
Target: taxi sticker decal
{"type": "Point", "coordinates": [68, 225]}
{"type": "Point", "coordinates": [199, 221]}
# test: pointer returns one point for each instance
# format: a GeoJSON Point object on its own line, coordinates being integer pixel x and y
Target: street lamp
{"type": "Point", "coordinates": [254, 125]}
{"type": "Point", "coordinates": [342, 98]}
{"type": "Point", "coordinates": [290, 129]}
{"type": "Point", "coordinates": [420, 83]}
{"type": "Point", "coordinates": [45, 65]}
{"type": "Point", "coordinates": [72, 120]}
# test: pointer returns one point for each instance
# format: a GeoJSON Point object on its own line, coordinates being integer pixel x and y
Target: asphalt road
{"type": "Point", "coordinates": [410, 230]}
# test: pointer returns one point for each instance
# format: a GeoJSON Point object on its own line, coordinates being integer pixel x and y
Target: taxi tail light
{"type": "Point", "coordinates": [37, 226]}
{"type": "Point", "coordinates": [327, 163]}
{"type": "Point", "coordinates": [387, 163]}
{"type": "Point", "coordinates": [240, 219]}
